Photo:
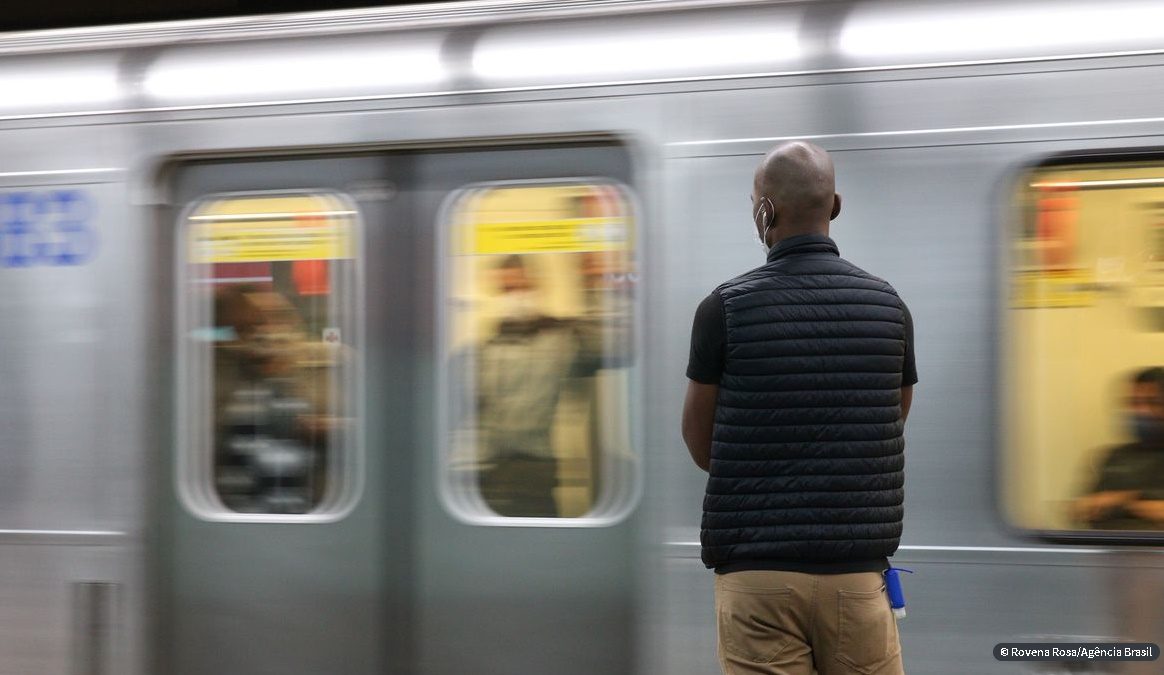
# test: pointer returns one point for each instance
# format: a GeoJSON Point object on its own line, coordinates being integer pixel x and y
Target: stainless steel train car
{"type": "Point", "coordinates": [349, 188]}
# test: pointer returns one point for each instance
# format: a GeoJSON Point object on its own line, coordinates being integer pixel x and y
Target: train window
{"type": "Point", "coordinates": [268, 320]}
{"type": "Point", "coordinates": [539, 340]}
{"type": "Point", "coordinates": [1084, 366]}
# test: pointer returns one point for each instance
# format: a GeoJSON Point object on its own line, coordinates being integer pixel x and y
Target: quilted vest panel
{"type": "Point", "coordinates": [807, 452]}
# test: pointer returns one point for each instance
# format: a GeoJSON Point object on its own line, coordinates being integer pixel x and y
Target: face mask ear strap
{"type": "Point", "coordinates": [766, 216]}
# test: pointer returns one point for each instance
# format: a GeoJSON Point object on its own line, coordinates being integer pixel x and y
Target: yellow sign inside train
{"type": "Point", "coordinates": [542, 219]}
{"type": "Point", "coordinates": [1056, 288]}
{"type": "Point", "coordinates": [566, 235]}
{"type": "Point", "coordinates": [265, 229]}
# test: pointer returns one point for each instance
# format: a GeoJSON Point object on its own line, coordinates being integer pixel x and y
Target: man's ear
{"type": "Point", "coordinates": [766, 215]}
{"type": "Point", "coordinates": [836, 207]}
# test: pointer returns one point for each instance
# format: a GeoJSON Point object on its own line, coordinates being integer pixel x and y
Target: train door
{"type": "Point", "coordinates": [403, 406]}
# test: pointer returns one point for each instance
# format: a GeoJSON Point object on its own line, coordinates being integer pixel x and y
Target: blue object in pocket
{"type": "Point", "coordinates": [893, 588]}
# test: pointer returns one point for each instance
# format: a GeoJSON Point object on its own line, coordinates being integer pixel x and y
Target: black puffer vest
{"type": "Point", "coordinates": [806, 457]}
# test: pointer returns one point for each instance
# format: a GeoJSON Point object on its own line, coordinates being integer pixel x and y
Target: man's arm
{"type": "Point", "coordinates": [1110, 492]}
{"type": "Point", "coordinates": [909, 366]}
{"type": "Point", "coordinates": [704, 368]}
{"type": "Point", "coordinates": [698, 421]}
{"type": "Point", "coordinates": [1094, 507]}
{"type": "Point", "coordinates": [1148, 509]}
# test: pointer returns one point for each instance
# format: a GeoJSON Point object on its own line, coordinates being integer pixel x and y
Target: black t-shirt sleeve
{"type": "Point", "coordinates": [708, 341]}
{"type": "Point", "coordinates": [909, 367]}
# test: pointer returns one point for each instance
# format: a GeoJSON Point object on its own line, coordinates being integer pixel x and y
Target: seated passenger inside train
{"type": "Point", "coordinates": [1128, 492]}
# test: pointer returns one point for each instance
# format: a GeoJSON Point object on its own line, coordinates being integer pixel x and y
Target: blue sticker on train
{"type": "Point", "coordinates": [49, 228]}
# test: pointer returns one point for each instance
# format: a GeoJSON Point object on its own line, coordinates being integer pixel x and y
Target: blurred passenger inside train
{"type": "Point", "coordinates": [608, 287]}
{"type": "Point", "coordinates": [608, 283]}
{"type": "Point", "coordinates": [1128, 493]}
{"type": "Point", "coordinates": [523, 371]}
{"type": "Point", "coordinates": [266, 446]}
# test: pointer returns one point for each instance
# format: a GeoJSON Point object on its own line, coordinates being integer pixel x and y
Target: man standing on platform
{"type": "Point", "coordinates": [800, 379]}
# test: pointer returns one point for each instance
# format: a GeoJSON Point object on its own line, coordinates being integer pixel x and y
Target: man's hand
{"type": "Point", "coordinates": [1092, 507]}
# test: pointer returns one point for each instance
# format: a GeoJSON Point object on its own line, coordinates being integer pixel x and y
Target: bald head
{"type": "Point", "coordinates": [798, 179]}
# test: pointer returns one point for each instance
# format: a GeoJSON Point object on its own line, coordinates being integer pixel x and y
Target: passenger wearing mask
{"type": "Point", "coordinates": [1129, 491]}
{"type": "Point", "coordinates": [1128, 494]}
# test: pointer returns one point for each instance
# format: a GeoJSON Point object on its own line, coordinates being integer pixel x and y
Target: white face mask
{"type": "Point", "coordinates": [518, 305]}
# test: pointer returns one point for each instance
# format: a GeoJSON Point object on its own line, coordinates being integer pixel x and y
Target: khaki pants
{"type": "Point", "coordinates": [789, 623]}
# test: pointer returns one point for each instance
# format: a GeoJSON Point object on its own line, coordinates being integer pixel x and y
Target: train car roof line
{"type": "Point", "coordinates": [486, 47]}
{"type": "Point", "coordinates": [345, 21]}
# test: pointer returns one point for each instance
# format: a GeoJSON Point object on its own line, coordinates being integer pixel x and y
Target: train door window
{"type": "Point", "coordinates": [267, 312]}
{"type": "Point", "coordinates": [538, 334]}
{"type": "Point", "coordinates": [1083, 378]}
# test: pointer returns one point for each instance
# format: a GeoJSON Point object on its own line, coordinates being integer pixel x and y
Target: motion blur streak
{"type": "Point", "coordinates": [59, 84]}
{"type": "Point", "coordinates": [987, 29]}
{"type": "Point", "coordinates": [665, 46]}
{"type": "Point", "coordinates": [233, 72]}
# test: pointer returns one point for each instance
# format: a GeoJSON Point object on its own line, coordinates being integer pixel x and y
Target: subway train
{"type": "Point", "coordinates": [276, 290]}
